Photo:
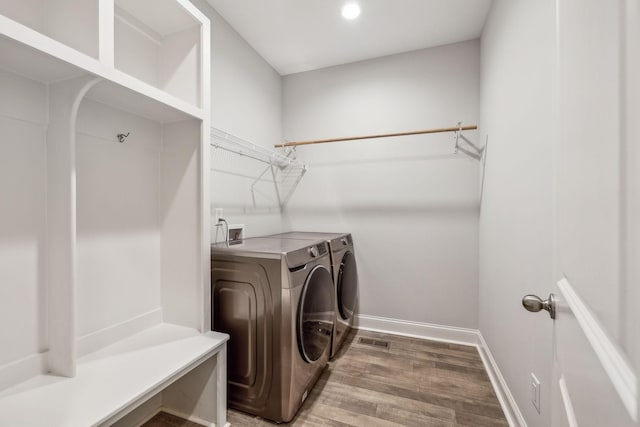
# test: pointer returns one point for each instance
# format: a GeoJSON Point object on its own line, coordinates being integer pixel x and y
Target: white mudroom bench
{"type": "Point", "coordinates": [166, 367]}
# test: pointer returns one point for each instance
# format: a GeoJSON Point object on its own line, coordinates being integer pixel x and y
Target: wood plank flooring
{"type": "Point", "coordinates": [413, 382]}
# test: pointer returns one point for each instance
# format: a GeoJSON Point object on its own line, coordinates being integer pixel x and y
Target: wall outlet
{"type": "Point", "coordinates": [236, 234]}
{"type": "Point", "coordinates": [217, 215]}
{"type": "Point", "coordinates": [535, 392]}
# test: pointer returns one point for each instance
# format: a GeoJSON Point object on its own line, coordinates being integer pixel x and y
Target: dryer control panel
{"type": "Point", "coordinates": [304, 255]}
{"type": "Point", "coordinates": [341, 242]}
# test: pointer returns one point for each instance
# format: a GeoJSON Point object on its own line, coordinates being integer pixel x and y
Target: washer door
{"type": "Point", "coordinates": [347, 287]}
{"type": "Point", "coordinates": [315, 314]}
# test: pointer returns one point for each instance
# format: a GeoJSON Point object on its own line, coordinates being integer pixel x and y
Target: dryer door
{"type": "Point", "coordinates": [315, 314]}
{"type": "Point", "coordinates": [347, 286]}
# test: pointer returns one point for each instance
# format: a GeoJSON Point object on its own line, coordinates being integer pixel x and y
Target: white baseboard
{"type": "Point", "coordinates": [409, 328]}
{"type": "Point", "coordinates": [506, 399]}
{"type": "Point", "coordinates": [23, 369]}
{"type": "Point", "coordinates": [453, 335]}
{"type": "Point", "coordinates": [99, 339]}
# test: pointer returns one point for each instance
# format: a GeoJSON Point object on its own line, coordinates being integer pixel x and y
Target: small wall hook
{"type": "Point", "coordinates": [122, 137]}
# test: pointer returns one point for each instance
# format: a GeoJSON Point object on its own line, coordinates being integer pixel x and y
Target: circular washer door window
{"type": "Point", "coordinates": [347, 289]}
{"type": "Point", "coordinates": [315, 314]}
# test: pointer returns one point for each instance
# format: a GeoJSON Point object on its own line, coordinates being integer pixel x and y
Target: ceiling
{"type": "Point", "coordinates": [302, 35]}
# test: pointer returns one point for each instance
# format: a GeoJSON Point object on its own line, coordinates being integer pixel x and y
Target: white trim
{"type": "Point", "coordinates": [453, 335]}
{"type": "Point", "coordinates": [409, 328]}
{"type": "Point", "coordinates": [23, 369]}
{"type": "Point", "coordinates": [566, 401]}
{"type": "Point", "coordinates": [611, 356]}
{"type": "Point", "coordinates": [506, 399]}
{"type": "Point", "coordinates": [94, 341]}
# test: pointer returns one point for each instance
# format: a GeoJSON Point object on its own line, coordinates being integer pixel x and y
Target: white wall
{"type": "Point", "coordinates": [23, 115]}
{"type": "Point", "coordinates": [118, 217]}
{"type": "Point", "coordinates": [516, 211]}
{"type": "Point", "coordinates": [246, 102]}
{"type": "Point", "coordinates": [411, 205]}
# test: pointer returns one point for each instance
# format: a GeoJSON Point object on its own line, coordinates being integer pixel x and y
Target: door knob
{"type": "Point", "coordinates": [535, 303]}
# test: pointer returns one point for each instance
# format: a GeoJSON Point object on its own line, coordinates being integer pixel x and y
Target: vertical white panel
{"type": "Point", "coordinates": [180, 210]}
{"type": "Point", "coordinates": [106, 28]}
{"type": "Point", "coordinates": [64, 100]}
{"type": "Point", "coordinates": [631, 15]}
{"type": "Point", "coordinates": [205, 177]}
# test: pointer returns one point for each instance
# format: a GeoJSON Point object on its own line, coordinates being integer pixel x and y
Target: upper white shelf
{"type": "Point", "coordinates": [163, 79]}
{"type": "Point", "coordinates": [160, 43]}
{"type": "Point", "coordinates": [142, 365]}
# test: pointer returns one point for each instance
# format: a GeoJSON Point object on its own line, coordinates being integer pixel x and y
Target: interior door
{"type": "Point", "coordinates": [596, 344]}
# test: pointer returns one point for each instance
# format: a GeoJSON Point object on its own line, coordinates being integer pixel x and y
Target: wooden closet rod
{"type": "Point", "coordinates": [383, 135]}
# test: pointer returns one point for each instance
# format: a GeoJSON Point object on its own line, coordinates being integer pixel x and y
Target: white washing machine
{"type": "Point", "coordinates": [345, 279]}
{"type": "Point", "coordinates": [274, 297]}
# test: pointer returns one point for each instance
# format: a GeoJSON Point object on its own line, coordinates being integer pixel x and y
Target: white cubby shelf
{"type": "Point", "coordinates": [170, 71]}
{"type": "Point", "coordinates": [164, 53]}
{"type": "Point", "coordinates": [111, 275]}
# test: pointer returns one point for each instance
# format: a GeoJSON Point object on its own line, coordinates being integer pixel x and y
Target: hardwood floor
{"type": "Point", "coordinates": [413, 382]}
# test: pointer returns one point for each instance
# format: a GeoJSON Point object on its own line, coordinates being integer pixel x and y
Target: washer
{"type": "Point", "coordinates": [274, 297]}
{"type": "Point", "coordinates": [345, 279]}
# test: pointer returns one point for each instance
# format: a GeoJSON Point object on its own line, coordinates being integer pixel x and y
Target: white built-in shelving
{"type": "Point", "coordinates": [171, 74]}
{"type": "Point", "coordinates": [122, 247]}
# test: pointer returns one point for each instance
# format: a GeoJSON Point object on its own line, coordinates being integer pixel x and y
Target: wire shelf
{"type": "Point", "coordinates": [236, 158]}
{"type": "Point", "coordinates": [225, 141]}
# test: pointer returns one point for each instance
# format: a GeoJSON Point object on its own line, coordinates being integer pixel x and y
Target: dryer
{"type": "Point", "coordinates": [345, 279]}
{"type": "Point", "coordinates": [274, 297]}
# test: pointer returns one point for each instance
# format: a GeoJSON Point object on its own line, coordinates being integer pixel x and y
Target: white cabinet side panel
{"type": "Point", "coordinates": [181, 234]}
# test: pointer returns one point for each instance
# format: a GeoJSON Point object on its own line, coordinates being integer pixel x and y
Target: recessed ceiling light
{"type": "Point", "coordinates": [351, 11]}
